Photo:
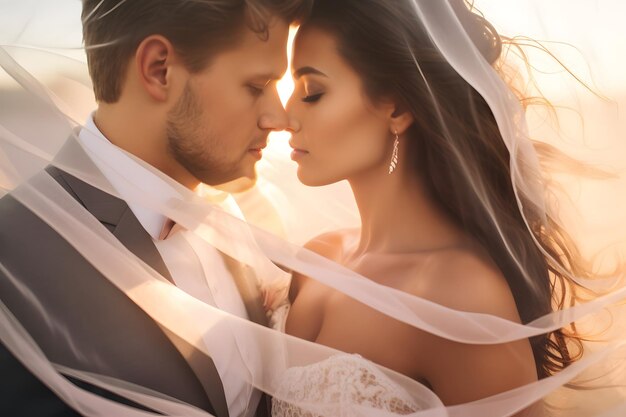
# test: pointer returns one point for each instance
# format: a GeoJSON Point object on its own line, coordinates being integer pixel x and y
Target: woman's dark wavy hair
{"type": "Point", "coordinates": [379, 40]}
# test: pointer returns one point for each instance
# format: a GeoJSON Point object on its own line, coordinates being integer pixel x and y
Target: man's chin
{"type": "Point", "coordinates": [236, 181]}
{"type": "Point", "coordinates": [239, 185]}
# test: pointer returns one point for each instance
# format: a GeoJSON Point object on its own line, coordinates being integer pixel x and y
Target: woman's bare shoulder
{"type": "Point", "coordinates": [332, 244]}
{"type": "Point", "coordinates": [466, 280]}
{"type": "Point", "coordinates": [469, 281]}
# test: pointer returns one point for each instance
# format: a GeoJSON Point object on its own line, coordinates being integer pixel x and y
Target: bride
{"type": "Point", "coordinates": [377, 105]}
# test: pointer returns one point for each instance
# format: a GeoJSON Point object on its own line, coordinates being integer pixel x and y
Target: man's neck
{"type": "Point", "coordinates": [142, 134]}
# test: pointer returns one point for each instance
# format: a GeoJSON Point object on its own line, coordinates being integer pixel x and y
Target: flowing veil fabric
{"type": "Point", "coordinates": [46, 95]}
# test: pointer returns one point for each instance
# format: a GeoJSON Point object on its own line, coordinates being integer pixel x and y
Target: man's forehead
{"type": "Point", "coordinates": [257, 56]}
{"type": "Point", "coordinates": [275, 74]}
{"type": "Point", "coordinates": [273, 37]}
{"type": "Point", "coordinates": [260, 65]}
{"type": "Point", "coordinates": [250, 66]}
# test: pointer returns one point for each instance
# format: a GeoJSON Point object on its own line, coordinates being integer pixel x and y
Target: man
{"type": "Point", "coordinates": [189, 87]}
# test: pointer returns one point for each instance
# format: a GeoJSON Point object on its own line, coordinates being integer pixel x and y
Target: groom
{"type": "Point", "coordinates": [189, 87]}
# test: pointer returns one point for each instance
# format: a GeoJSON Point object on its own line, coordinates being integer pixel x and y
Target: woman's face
{"type": "Point", "coordinates": [337, 132]}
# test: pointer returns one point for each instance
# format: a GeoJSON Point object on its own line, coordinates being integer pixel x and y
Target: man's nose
{"type": "Point", "coordinates": [275, 116]}
{"type": "Point", "coordinates": [273, 121]}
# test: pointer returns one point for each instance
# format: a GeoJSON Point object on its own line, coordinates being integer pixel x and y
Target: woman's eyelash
{"type": "Point", "coordinates": [312, 98]}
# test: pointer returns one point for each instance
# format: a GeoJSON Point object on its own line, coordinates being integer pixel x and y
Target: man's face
{"type": "Point", "coordinates": [219, 126]}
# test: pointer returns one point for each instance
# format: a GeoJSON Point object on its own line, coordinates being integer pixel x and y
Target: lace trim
{"type": "Point", "coordinates": [335, 386]}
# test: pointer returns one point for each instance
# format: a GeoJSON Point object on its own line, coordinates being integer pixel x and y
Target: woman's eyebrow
{"type": "Point", "coordinates": [307, 70]}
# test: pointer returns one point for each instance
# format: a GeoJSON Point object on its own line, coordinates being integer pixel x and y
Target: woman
{"type": "Point", "coordinates": [415, 143]}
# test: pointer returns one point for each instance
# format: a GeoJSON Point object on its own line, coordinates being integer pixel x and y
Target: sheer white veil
{"type": "Point", "coordinates": [46, 95]}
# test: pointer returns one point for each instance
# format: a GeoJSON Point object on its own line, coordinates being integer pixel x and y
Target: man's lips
{"type": "Point", "coordinates": [257, 151]}
{"type": "Point", "coordinates": [258, 146]}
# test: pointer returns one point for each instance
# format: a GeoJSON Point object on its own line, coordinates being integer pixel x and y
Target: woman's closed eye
{"type": "Point", "coordinates": [312, 98]}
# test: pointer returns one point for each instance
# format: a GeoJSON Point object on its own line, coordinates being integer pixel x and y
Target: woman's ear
{"type": "Point", "coordinates": [154, 58]}
{"type": "Point", "coordinates": [401, 119]}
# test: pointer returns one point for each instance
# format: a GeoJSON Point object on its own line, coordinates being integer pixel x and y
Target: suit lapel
{"type": "Point", "coordinates": [247, 285]}
{"type": "Point", "coordinates": [206, 372]}
{"type": "Point", "coordinates": [119, 218]}
{"type": "Point", "coordinates": [115, 214]}
{"type": "Point", "coordinates": [130, 232]}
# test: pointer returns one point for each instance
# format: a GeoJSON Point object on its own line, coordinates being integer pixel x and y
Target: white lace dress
{"type": "Point", "coordinates": [340, 386]}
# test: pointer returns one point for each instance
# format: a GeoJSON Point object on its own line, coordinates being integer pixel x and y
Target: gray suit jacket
{"type": "Point", "coordinates": [84, 321]}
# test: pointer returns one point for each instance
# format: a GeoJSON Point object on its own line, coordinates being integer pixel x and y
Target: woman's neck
{"type": "Point", "coordinates": [397, 216]}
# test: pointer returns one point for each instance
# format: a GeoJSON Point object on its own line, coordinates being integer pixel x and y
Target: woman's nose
{"type": "Point", "coordinates": [293, 123]}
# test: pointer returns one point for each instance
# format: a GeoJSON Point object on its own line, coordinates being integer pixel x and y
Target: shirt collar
{"type": "Point", "coordinates": [113, 162]}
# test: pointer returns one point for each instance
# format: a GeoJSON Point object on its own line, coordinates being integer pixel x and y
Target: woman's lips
{"type": "Point", "coordinates": [297, 154]}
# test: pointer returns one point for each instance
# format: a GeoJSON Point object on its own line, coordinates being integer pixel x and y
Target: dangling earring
{"type": "Point", "coordinates": [394, 155]}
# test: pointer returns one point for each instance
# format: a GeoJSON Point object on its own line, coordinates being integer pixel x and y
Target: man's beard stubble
{"type": "Point", "coordinates": [193, 146]}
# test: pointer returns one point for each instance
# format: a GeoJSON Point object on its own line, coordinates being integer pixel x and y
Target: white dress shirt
{"type": "Point", "coordinates": [196, 266]}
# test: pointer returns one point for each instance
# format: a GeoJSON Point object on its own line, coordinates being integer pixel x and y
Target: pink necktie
{"type": "Point", "coordinates": [166, 231]}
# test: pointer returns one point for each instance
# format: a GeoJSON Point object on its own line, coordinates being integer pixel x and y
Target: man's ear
{"type": "Point", "coordinates": [153, 59]}
{"type": "Point", "coordinates": [401, 119]}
